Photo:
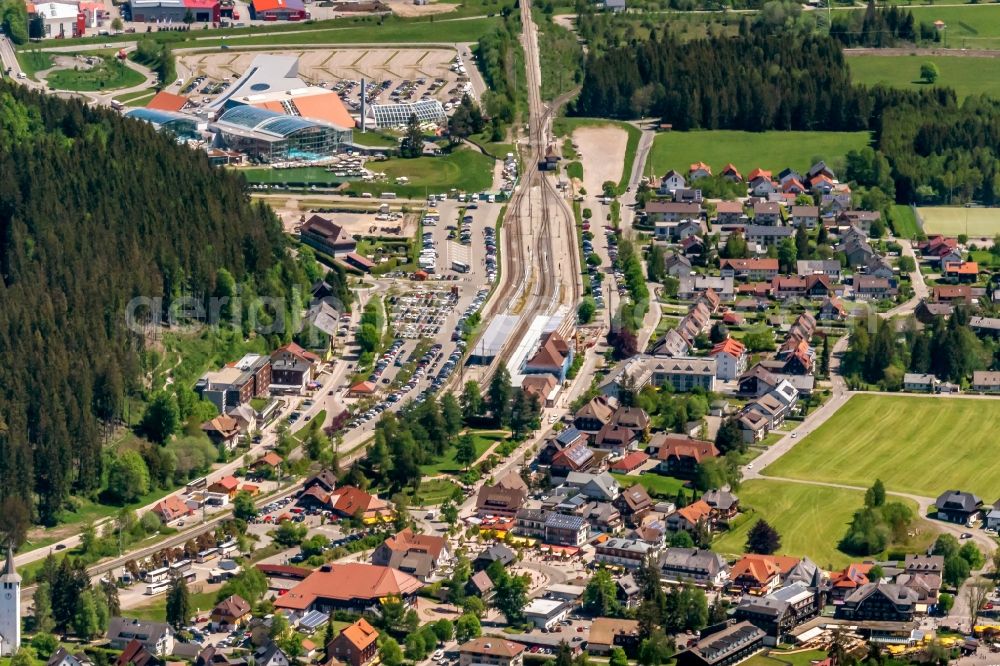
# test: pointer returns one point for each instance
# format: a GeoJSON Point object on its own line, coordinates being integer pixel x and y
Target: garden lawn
{"type": "Point", "coordinates": [919, 445]}
{"type": "Point", "coordinates": [156, 609]}
{"type": "Point", "coordinates": [465, 170]}
{"type": "Point", "coordinates": [955, 220]}
{"type": "Point", "coordinates": [33, 61]}
{"type": "Point", "coordinates": [107, 74]}
{"type": "Point", "coordinates": [433, 492]}
{"type": "Point", "coordinates": [967, 75]}
{"type": "Point", "coordinates": [448, 465]}
{"type": "Point", "coordinates": [666, 486]}
{"type": "Point", "coordinates": [748, 150]}
{"type": "Point", "coordinates": [903, 221]}
{"type": "Point", "coordinates": [810, 519]}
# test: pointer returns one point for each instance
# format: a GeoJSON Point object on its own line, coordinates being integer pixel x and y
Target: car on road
{"type": "Point", "coordinates": [965, 535]}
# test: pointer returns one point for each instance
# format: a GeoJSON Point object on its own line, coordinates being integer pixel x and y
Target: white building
{"type": "Point", "coordinates": [546, 613]}
{"type": "Point", "coordinates": [58, 18]}
{"type": "Point", "coordinates": [10, 607]}
{"type": "Point", "coordinates": [730, 359]}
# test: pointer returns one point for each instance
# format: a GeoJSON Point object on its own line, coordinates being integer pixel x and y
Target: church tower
{"type": "Point", "coordinates": [10, 607]}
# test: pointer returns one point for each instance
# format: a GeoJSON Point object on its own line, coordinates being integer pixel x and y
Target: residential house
{"type": "Point", "coordinates": [729, 212]}
{"type": "Point", "coordinates": [732, 174]}
{"type": "Point", "coordinates": [879, 602]}
{"type": "Point", "coordinates": [594, 415]}
{"type": "Point", "coordinates": [223, 431]}
{"type": "Point", "coordinates": [491, 651]}
{"type": "Point", "coordinates": [677, 265]}
{"type": "Point", "coordinates": [602, 487]}
{"type": "Point", "coordinates": [920, 383]}
{"type": "Point", "coordinates": [628, 592]}
{"type": "Point", "coordinates": [629, 463]}
{"type": "Point", "coordinates": [686, 374]}
{"type": "Point", "coordinates": [753, 426]}
{"type": "Point", "coordinates": [764, 236]}
{"type": "Point", "coordinates": [633, 504]}
{"type": "Point", "coordinates": [868, 288]}
{"type": "Point", "coordinates": [688, 195]}
{"type": "Point", "coordinates": [420, 555]}
{"type": "Point", "coordinates": [760, 183]}
{"type": "Point", "coordinates": [956, 506]}
{"type": "Point", "coordinates": [951, 293]}
{"type": "Point", "coordinates": [805, 216]}
{"type": "Point", "coordinates": [852, 577]}
{"type": "Point", "coordinates": [62, 657]}
{"type": "Point", "coordinates": [480, 585]}
{"type": "Point", "coordinates": [986, 381]}
{"type": "Point", "coordinates": [828, 267]}
{"type": "Point", "coordinates": [680, 455]}
{"type": "Point", "coordinates": [757, 381]}
{"type": "Point", "coordinates": [136, 654]}
{"type": "Point", "coordinates": [733, 644]}
{"type": "Point", "coordinates": [832, 309]}
{"type": "Point", "coordinates": [962, 271]}
{"type": "Point", "coordinates": [780, 611]}
{"type": "Point", "coordinates": [755, 270]}
{"type": "Point", "coordinates": [859, 219]}
{"type": "Point", "coordinates": [690, 517]}
{"type": "Point", "coordinates": [607, 633]}
{"type": "Point", "coordinates": [356, 644]}
{"type": "Point", "coordinates": [694, 565]}
{"type": "Point", "coordinates": [230, 613]}
{"type": "Point", "coordinates": [156, 637]}
{"type": "Point", "coordinates": [671, 211]}
{"type": "Point", "coordinates": [495, 553]}
{"type": "Point", "coordinates": [227, 486]}
{"type": "Point", "coordinates": [671, 181]}
{"type": "Point", "coordinates": [723, 503]}
{"type": "Point", "coordinates": [766, 213]}
{"type": "Point", "coordinates": [327, 237]}
{"type": "Point", "coordinates": [270, 654]}
{"type": "Point", "coordinates": [730, 359]}
{"type": "Point", "coordinates": [577, 457]}
{"type": "Point", "coordinates": [856, 248]}
{"type": "Point", "coordinates": [564, 530]}
{"type": "Point", "coordinates": [821, 184]}
{"type": "Point", "coordinates": [171, 508]}
{"type": "Point", "coordinates": [699, 170]}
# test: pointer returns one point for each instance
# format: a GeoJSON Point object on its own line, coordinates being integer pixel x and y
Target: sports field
{"type": "Point", "coordinates": [965, 75]}
{"type": "Point", "coordinates": [919, 445]}
{"type": "Point", "coordinates": [810, 519]}
{"type": "Point", "coordinates": [748, 150]}
{"type": "Point", "coordinates": [953, 220]}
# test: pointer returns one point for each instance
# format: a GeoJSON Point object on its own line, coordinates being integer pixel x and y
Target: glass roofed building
{"type": "Point", "coordinates": [394, 115]}
{"type": "Point", "coordinates": [270, 136]}
{"type": "Point", "coordinates": [180, 124]}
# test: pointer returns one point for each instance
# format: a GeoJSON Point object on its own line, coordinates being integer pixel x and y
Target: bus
{"type": "Point", "coordinates": [228, 548]}
{"type": "Point", "coordinates": [179, 567]}
{"type": "Point", "coordinates": [157, 575]}
{"type": "Point", "coordinates": [459, 266]}
{"type": "Point", "coordinates": [208, 554]}
{"type": "Point", "coordinates": [157, 588]}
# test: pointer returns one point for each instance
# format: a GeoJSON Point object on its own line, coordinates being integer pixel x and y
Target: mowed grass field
{"type": "Point", "coordinates": [965, 75]}
{"type": "Point", "coordinates": [968, 26]}
{"type": "Point", "coordinates": [954, 220]}
{"type": "Point", "coordinates": [903, 221]}
{"type": "Point", "coordinates": [811, 520]}
{"type": "Point", "coordinates": [919, 445]}
{"type": "Point", "coordinates": [748, 150]}
{"type": "Point", "coordinates": [465, 169]}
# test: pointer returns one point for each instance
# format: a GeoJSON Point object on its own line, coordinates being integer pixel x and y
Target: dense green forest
{"type": "Point", "coordinates": [939, 151]}
{"type": "Point", "coordinates": [96, 210]}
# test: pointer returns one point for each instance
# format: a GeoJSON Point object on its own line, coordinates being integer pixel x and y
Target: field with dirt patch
{"type": "Point", "coordinates": [602, 150]}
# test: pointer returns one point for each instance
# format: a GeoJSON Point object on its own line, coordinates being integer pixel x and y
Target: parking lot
{"type": "Point", "coordinates": [393, 74]}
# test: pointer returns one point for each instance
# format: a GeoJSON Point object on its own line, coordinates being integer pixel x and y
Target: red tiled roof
{"type": "Point", "coordinates": [164, 101]}
{"type": "Point", "coordinates": [352, 581]}
{"type": "Point", "coordinates": [631, 461]}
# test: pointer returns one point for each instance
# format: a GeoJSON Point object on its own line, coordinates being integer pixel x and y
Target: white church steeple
{"type": "Point", "coordinates": [10, 606]}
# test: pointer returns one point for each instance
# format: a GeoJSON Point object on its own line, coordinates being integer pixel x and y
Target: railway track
{"type": "Point", "coordinates": [533, 267]}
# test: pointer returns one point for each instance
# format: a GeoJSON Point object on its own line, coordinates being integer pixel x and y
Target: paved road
{"type": "Point", "coordinates": [920, 290]}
